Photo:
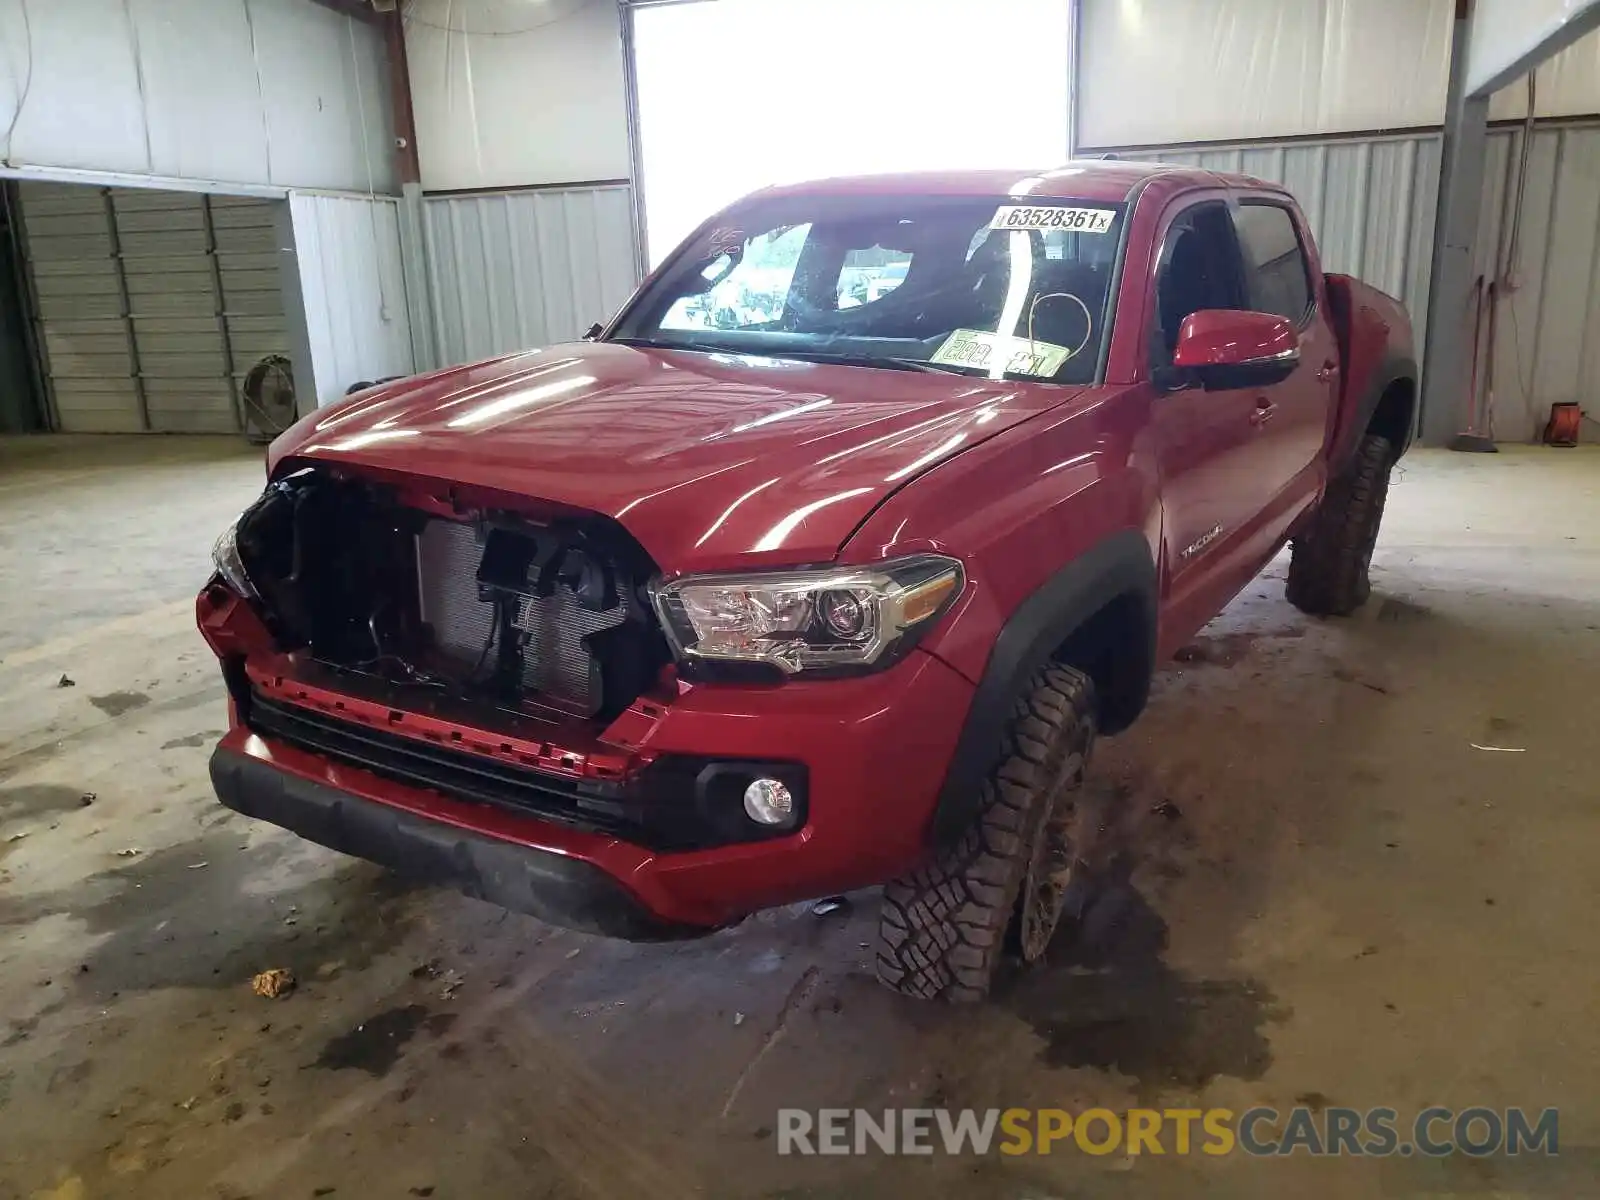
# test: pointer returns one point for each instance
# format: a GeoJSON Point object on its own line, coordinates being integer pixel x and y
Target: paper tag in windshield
{"type": "Point", "coordinates": [1053, 216]}
{"type": "Point", "coordinates": [1016, 356]}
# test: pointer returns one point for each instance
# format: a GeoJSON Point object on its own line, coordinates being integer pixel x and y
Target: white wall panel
{"type": "Point", "coordinates": [1569, 85]}
{"type": "Point", "coordinates": [181, 134]}
{"type": "Point", "coordinates": [280, 92]}
{"type": "Point", "coordinates": [1157, 72]}
{"type": "Point", "coordinates": [517, 93]}
{"type": "Point", "coordinates": [347, 252]}
{"type": "Point", "coordinates": [50, 55]}
{"type": "Point", "coordinates": [325, 96]}
{"type": "Point", "coordinates": [1505, 33]}
{"type": "Point", "coordinates": [520, 270]}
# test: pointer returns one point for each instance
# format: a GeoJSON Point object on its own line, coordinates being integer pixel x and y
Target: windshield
{"type": "Point", "coordinates": [988, 288]}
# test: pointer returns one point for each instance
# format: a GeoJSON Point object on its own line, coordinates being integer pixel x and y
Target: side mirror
{"type": "Point", "coordinates": [594, 331]}
{"type": "Point", "coordinates": [1224, 348]}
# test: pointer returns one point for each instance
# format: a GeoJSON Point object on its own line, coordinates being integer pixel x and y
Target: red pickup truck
{"type": "Point", "coordinates": [821, 566]}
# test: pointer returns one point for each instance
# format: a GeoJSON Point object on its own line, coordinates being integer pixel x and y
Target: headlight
{"type": "Point", "coordinates": [225, 554]}
{"type": "Point", "coordinates": [824, 619]}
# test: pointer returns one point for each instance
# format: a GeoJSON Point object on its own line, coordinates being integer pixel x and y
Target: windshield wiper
{"type": "Point", "coordinates": [659, 344]}
{"type": "Point", "coordinates": [922, 364]}
{"type": "Point", "coordinates": [869, 360]}
{"type": "Point", "coordinates": [803, 355]}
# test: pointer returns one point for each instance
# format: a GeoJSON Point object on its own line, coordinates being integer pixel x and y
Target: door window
{"type": "Point", "coordinates": [749, 281]}
{"type": "Point", "coordinates": [1199, 269]}
{"type": "Point", "coordinates": [1274, 260]}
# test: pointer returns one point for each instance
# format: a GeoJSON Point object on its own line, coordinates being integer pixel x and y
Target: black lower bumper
{"type": "Point", "coordinates": [560, 890]}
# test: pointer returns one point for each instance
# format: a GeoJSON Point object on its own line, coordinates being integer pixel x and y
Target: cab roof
{"type": "Point", "coordinates": [1110, 180]}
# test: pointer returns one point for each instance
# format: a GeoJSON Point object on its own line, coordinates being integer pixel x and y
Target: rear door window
{"type": "Point", "coordinates": [870, 274]}
{"type": "Point", "coordinates": [1275, 262]}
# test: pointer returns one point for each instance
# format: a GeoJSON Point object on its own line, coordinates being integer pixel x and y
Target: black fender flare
{"type": "Point", "coordinates": [1391, 370]}
{"type": "Point", "coordinates": [1118, 566]}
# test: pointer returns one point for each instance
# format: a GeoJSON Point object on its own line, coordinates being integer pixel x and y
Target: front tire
{"type": "Point", "coordinates": [1329, 566]}
{"type": "Point", "coordinates": [946, 926]}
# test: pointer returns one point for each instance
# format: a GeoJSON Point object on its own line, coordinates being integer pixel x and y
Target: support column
{"type": "Point", "coordinates": [425, 353]}
{"type": "Point", "coordinates": [296, 326]}
{"type": "Point", "coordinates": [1447, 360]}
{"type": "Point", "coordinates": [412, 220]}
{"type": "Point", "coordinates": [630, 87]}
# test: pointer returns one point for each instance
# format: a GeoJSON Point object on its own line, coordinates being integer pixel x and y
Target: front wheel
{"type": "Point", "coordinates": [946, 926]}
{"type": "Point", "coordinates": [1330, 563]}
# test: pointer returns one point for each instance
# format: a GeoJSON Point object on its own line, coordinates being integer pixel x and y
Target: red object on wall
{"type": "Point", "coordinates": [1562, 428]}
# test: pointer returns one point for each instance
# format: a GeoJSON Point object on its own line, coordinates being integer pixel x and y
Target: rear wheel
{"type": "Point", "coordinates": [1330, 563]}
{"type": "Point", "coordinates": [946, 926]}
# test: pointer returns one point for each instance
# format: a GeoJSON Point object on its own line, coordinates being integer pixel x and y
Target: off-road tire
{"type": "Point", "coordinates": [1330, 561]}
{"type": "Point", "coordinates": [943, 930]}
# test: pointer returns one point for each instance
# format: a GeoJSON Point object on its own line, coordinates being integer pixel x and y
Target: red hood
{"type": "Point", "coordinates": [707, 460]}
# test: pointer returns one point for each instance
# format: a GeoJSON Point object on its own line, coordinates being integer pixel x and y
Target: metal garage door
{"type": "Point", "coordinates": [246, 235]}
{"type": "Point", "coordinates": [151, 305]}
{"type": "Point", "coordinates": [78, 308]}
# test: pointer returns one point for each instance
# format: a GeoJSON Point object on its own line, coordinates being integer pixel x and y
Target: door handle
{"type": "Point", "coordinates": [1263, 412]}
{"type": "Point", "coordinates": [1329, 370]}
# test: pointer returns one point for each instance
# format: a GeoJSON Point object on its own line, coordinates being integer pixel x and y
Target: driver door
{"type": "Point", "coordinates": [1204, 440]}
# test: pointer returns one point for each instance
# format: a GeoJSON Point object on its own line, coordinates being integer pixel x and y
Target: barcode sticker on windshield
{"type": "Point", "coordinates": [1053, 216]}
{"type": "Point", "coordinates": [1014, 355]}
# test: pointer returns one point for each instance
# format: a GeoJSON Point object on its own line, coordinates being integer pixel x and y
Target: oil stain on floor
{"type": "Point", "coordinates": [114, 704]}
{"type": "Point", "coordinates": [35, 800]}
{"type": "Point", "coordinates": [1109, 1002]}
{"type": "Point", "coordinates": [193, 740]}
{"type": "Point", "coordinates": [374, 1045]}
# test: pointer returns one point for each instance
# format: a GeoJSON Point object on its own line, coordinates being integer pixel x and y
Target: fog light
{"type": "Point", "coordinates": [768, 802]}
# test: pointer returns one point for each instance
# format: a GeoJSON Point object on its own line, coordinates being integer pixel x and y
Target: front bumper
{"type": "Point", "coordinates": [564, 891]}
{"type": "Point", "coordinates": [875, 750]}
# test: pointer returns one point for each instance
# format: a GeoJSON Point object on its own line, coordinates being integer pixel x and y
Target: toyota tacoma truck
{"type": "Point", "coordinates": [821, 566]}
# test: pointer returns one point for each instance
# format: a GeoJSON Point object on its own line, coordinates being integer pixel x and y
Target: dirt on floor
{"type": "Point", "coordinates": [1339, 864]}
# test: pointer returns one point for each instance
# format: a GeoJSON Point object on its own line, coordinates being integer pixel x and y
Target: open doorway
{"type": "Point", "coordinates": [734, 95]}
{"type": "Point", "coordinates": [22, 408]}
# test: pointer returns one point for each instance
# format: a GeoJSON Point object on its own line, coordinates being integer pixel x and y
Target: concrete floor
{"type": "Point", "coordinates": [1333, 898]}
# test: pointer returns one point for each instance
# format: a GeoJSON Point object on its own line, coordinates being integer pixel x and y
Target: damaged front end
{"type": "Point", "coordinates": [480, 646]}
{"type": "Point", "coordinates": [532, 616]}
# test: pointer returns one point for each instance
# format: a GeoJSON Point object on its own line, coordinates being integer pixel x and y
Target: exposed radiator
{"type": "Point", "coordinates": [556, 663]}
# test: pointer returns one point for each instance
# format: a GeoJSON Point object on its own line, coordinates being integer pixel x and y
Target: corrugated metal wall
{"type": "Point", "coordinates": [352, 290]}
{"type": "Point", "coordinates": [144, 299]}
{"type": "Point", "coordinates": [1372, 203]}
{"type": "Point", "coordinates": [1547, 344]}
{"type": "Point", "coordinates": [513, 270]}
